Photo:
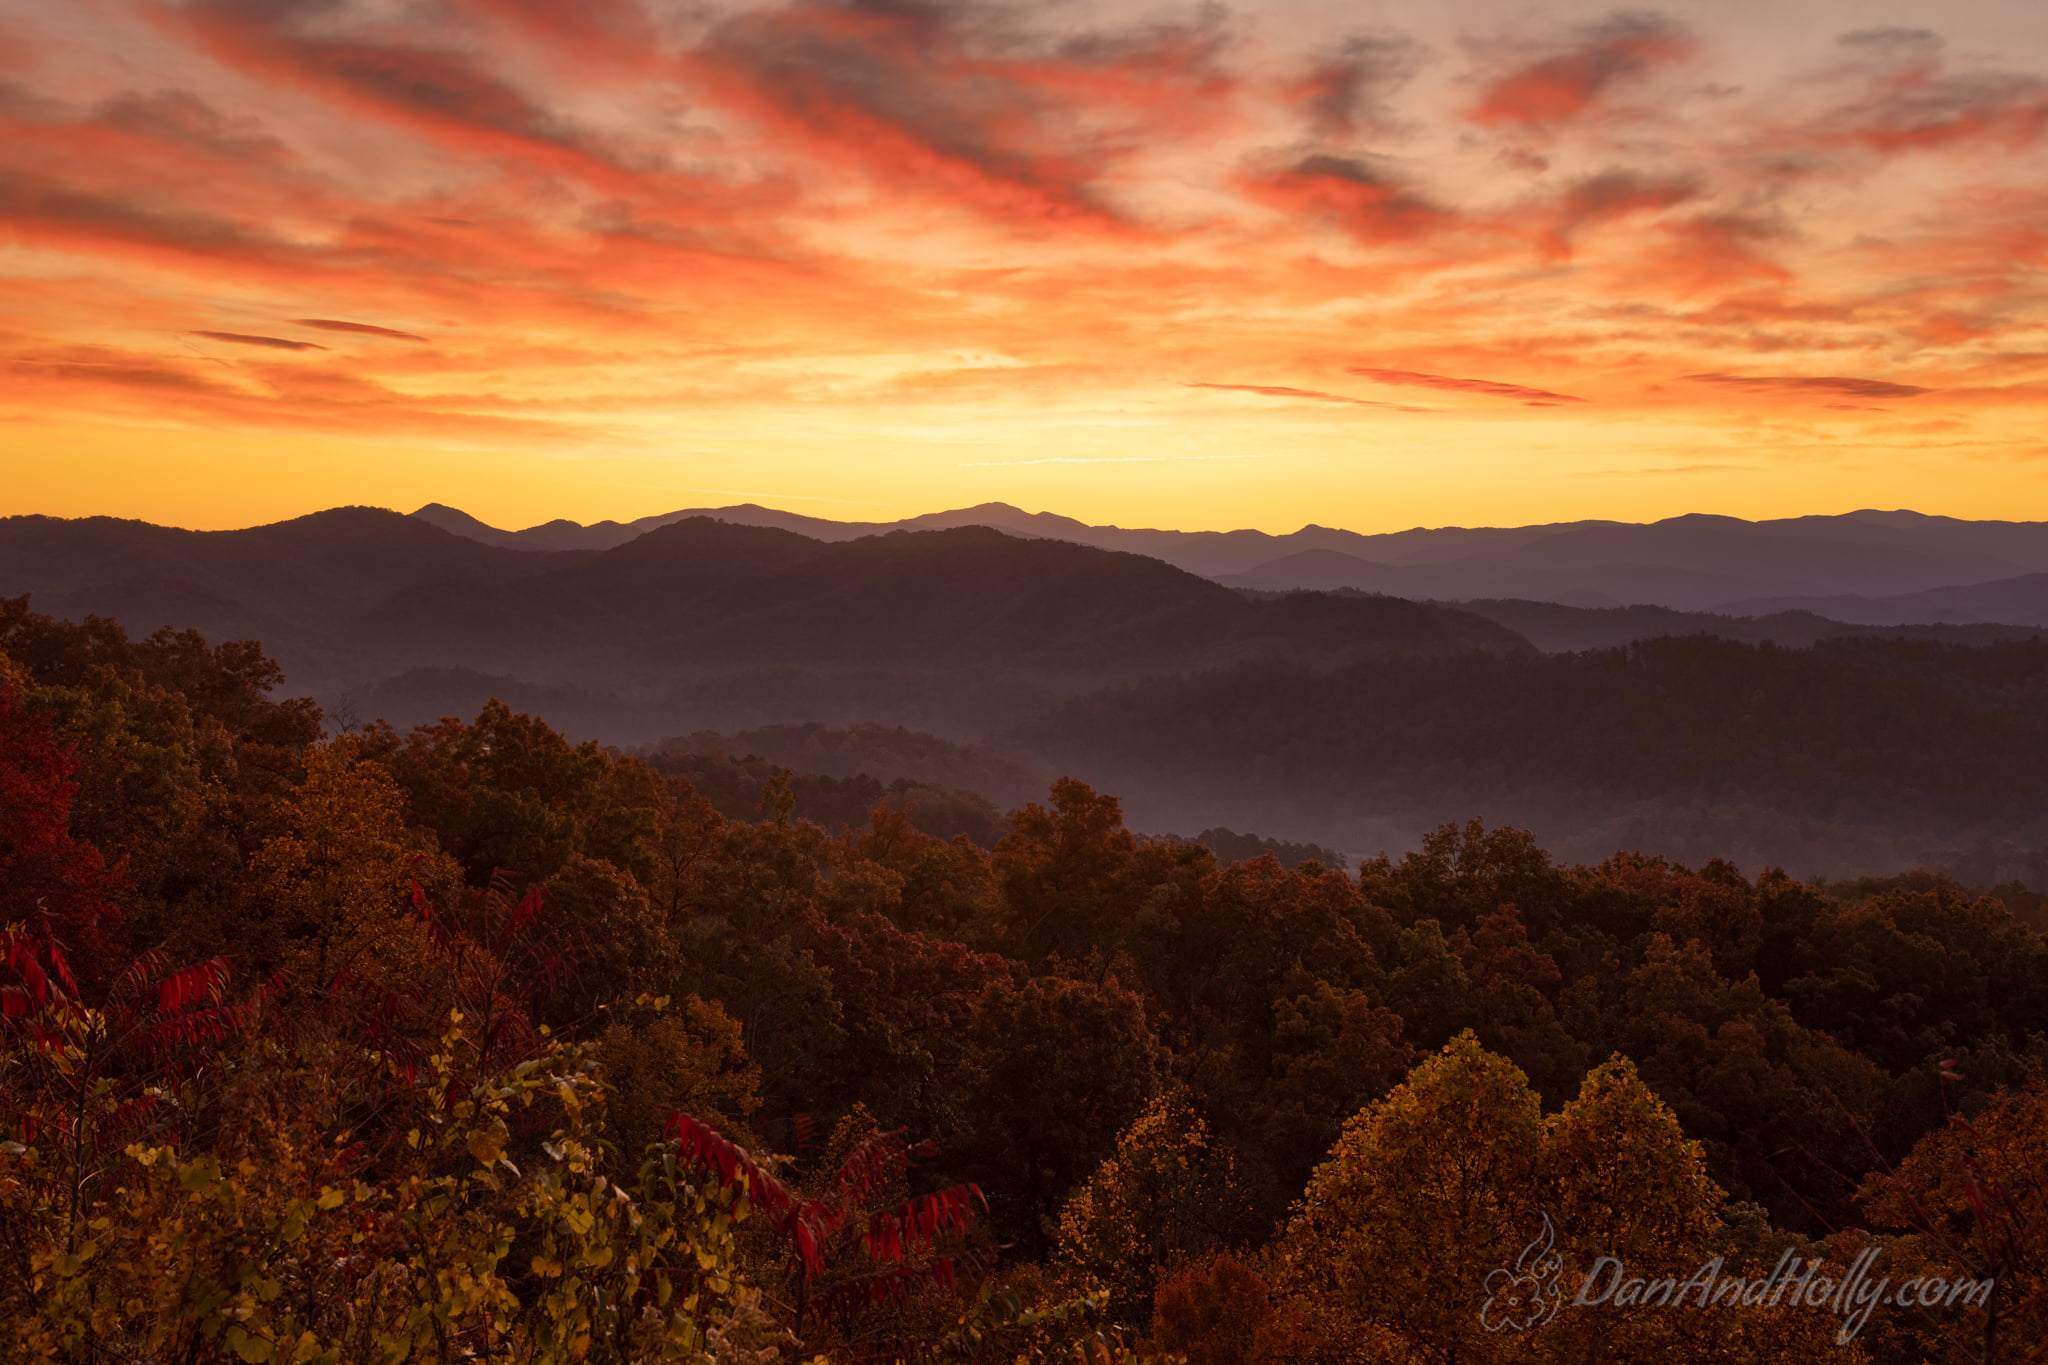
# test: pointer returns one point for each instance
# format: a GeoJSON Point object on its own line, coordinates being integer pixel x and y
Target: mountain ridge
{"type": "Point", "coordinates": [1690, 562]}
{"type": "Point", "coordinates": [350, 594]}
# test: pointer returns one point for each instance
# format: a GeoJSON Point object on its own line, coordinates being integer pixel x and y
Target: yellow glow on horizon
{"type": "Point", "coordinates": [1354, 479]}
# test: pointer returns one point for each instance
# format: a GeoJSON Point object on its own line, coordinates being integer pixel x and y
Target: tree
{"type": "Point", "coordinates": [1168, 1194]}
{"type": "Point", "coordinates": [1220, 1310]}
{"type": "Point", "coordinates": [661, 1059]}
{"type": "Point", "coordinates": [1973, 1197]}
{"type": "Point", "coordinates": [1453, 1221]}
{"type": "Point", "coordinates": [1424, 1194]}
{"type": "Point", "coordinates": [507, 793]}
{"type": "Point", "coordinates": [1063, 1066]}
{"type": "Point", "coordinates": [1072, 877]}
{"type": "Point", "coordinates": [330, 892]}
{"type": "Point", "coordinates": [58, 886]}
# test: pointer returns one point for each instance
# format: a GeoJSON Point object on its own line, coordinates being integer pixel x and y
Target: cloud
{"type": "Point", "coordinates": [43, 209]}
{"type": "Point", "coordinates": [1711, 253]}
{"type": "Point", "coordinates": [182, 118]}
{"type": "Point", "coordinates": [363, 328]}
{"type": "Point", "coordinates": [1370, 204]}
{"type": "Point", "coordinates": [954, 102]}
{"type": "Point", "coordinates": [1825, 384]}
{"type": "Point", "coordinates": [678, 216]}
{"type": "Point", "coordinates": [1492, 388]}
{"type": "Point", "coordinates": [1282, 391]}
{"type": "Point", "coordinates": [108, 370]}
{"type": "Point", "coordinates": [418, 80]}
{"type": "Point", "coordinates": [1906, 99]}
{"type": "Point", "coordinates": [96, 380]}
{"type": "Point", "coordinates": [1351, 91]}
{"type": "Point", "coordinates": [275, 343]}
{"type": "Point", "coordinates": [1554, 90]}
{"type": "Point", "coordinates": [1609, 197]}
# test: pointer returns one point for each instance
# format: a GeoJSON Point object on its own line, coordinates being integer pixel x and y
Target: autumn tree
{"type": "Point", "coordinates": [1972, 1198]}
{"type": "Point", "coordinates": [331, 890]}
{"type": "Point", "coordinates": [1167, 1194]}
{"type": "Point", "coordinates": [1062, 1067]}
{"type": "Point", "coordinates": [1072, 878]}
{"type": "Point", "coordinates": [58, 887]}
{"type": "Point", "coordinates": [662, 1058]}
{"type": "Point", "coordinates": [1453, 1220]}
{"type": "Point", "coordinates": [1424, 1194]}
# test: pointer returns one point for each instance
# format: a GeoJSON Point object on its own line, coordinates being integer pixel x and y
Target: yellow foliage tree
{"type": "Point", "coordinates": [271, 1251]}
{"type": "Point", "coordinates": [1167, 1194]}
{"type": "Point", "coordinates": [1454, 1222]}
{"type": "Point", "coordinates": [661, 1059]}
{"type": "Point", "coordinates": [331, 889]}
{"type": "Point", "coordinates": [1424, 1194]}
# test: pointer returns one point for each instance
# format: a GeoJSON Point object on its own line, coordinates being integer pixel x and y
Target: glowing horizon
{"type": "Point", "coordinates": [1170, 267]}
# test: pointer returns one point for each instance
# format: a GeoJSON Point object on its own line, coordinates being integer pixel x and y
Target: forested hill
{"type": "Point", "coordinates": [449, 1044]}
{"type": "Point", "coordinates": [350, 595]}
{"type": "Point", "coordinates": [1852, 755]}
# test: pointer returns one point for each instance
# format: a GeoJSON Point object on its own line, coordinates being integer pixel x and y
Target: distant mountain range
{"type": "Point", "coordinates": [1867, 567]}
{"type": "Point", "coordinates": [350, 596]}
{"type": "Point", "coordinates": [1206, 699]}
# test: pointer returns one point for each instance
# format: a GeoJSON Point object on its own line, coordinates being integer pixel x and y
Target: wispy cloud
{"type": "Point", "coordinates": [274, 343]}
{"type": "Point", "coordinates": [360, 328]}
{"type": "Point", "coordinates": [1316, 395]}
{"type": "Point", "coordinates": [1821, 384]}
{"type": "Point", "coordinates": [1492, 388]}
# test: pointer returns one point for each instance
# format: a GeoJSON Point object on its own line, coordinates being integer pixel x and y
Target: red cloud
{"type": "Point", "coordinates": [606, 37]}
{"type": "Point", "coordinates": [1608, 198]}
{"type": "Point", "coordinates": [94, 380]}
{"type": "Point", "coordinates": [1559, 88]}
{"type": "Point", "coordinates": [940, 101]}
{"type": "Point", "coordinates": [1492, 388]}
{"type": "Point", "coordinates": [1911, 103]}
{"type": "Point", "coordinates": [435, 90]}
{"type": "Point", "coordinates": [1369, 204]}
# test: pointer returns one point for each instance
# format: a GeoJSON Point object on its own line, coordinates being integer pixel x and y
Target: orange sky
{"type": "Point", "coordinates": [1364, 265]}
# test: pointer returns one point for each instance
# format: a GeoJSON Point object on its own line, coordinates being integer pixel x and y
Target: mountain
{"type": "Point", "coordinates": [1691, 563]}
{"type": "Point", "coordinates": [562, 534]}
{"type": "Point", "coordinates": [1853, 754]}
{"type": "Point", "coordinates": [1555, 628]}
{"type": "Point", "coordinates": [963, 658]}
{"type": "Point", "coordinates": [945, 627]}
{"type": "Point", "coordinates": [1326, 571]}
{"type": "Point", "coordinates": [2022, 600]}
{"type": "Point", "coordinates": [1686, 563]}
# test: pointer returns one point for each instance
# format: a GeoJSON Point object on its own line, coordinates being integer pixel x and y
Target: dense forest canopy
{"type": "Point", "coordinates": [472, 1042]}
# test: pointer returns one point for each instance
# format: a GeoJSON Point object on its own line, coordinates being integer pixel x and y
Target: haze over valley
{"type": "Point", "coordinates": [1675, 685]}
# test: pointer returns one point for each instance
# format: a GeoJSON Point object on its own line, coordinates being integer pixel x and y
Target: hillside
{"type": "Point", "coordinates": [1852, 755]}
{"type": "Point", "coordinates": [1692, 563]}
{"type": "Point", "coordinates": [966, 618]}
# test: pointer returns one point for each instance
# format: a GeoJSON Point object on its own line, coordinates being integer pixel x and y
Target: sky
{"type": "Point", "coordinates": [1371, 265]}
